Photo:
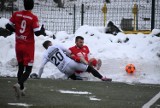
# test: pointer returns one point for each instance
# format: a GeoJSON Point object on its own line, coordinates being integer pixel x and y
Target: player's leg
{"type": "Point", "coordinates": [82, 67]}
{"type": "Point", "coordinates": [19, 75]}
{"type": "Point", "coordinates": [94, 72]}
{"type": "Point", "coordinates": [95, 62]}
{"type": "Point", "coordinates": [25, 76]}
{"type": "Point", "coordinates": [28, 58]}
{"type": "Point", "coordinates": [86, 68]}
{"type": "Point", "coordinates": [19, 55]}
{"type": "Point", "coordinates": [70, 70]}
{"type": "Point", "coordinates": [20, 70]}
{"type": "Point", "coordinates": [97, 74]}
{"type": "Point", "coordinates": [74, 77]}
{"type": "Point", "coordinates": [92, 62]}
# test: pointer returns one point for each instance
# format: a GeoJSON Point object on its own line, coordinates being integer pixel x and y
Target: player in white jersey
{"type": "Point", "coordinates": [59, 56]}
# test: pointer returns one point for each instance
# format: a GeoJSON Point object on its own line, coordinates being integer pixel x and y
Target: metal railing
{"type": "Point", "coordinates": [89, 12]}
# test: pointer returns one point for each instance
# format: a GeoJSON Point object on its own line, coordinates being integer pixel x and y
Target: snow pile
{"type": "Point", "coordinates": [4, 21]}
{"type": "Point", "coordinates": [115, 51]}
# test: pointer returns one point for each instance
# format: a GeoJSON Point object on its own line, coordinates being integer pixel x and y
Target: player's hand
{"type": "Point", "coordinates": [54, 37]}
{"type": "Point", "coordinates": [43, 30]}
{"type": "Point", "coordinates": [82, 60]}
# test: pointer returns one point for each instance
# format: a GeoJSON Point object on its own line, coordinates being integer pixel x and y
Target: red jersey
{"type": "Point", "coordinates": [26, 23]}
{"type": "Point", "coordinates": [78, 52]}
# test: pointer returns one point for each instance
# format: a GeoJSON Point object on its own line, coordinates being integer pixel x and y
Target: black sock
{"type": "Point", "coordinates": [20, 70]}
{"type": "Point", "coordinates": [25, 76]}
{"type": "Point", "coordinates": [73, 77]}
{"type": "Point", "coordinates": [21, 85]}
{"type": "Point", "coordinates": [94, 72]}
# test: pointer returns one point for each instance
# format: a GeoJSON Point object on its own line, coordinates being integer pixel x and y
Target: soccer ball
{"type": "Point", "coordinates": [130, 68]}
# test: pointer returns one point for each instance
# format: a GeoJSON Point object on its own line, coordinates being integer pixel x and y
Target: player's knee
{"type": "Point", "coordinates": [93, 62]}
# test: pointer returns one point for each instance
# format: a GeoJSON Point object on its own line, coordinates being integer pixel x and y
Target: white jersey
{"type": "Point", "coordinates": [56, 55]}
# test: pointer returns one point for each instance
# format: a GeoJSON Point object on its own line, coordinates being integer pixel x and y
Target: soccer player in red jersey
{"type": "Point", "coordinates": [80, 53]}
{"type": "Point", "coordinates": [25, 24]}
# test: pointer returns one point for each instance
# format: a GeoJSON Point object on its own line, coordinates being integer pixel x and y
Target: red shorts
{"type": "Point", "coordinates": [25, 54]}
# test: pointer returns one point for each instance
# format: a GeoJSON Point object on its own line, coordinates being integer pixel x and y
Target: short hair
{"type": "Point", "coordinates": [79, 37]}
{"type": "Point", "coordinates": [46, 44]}
{"type": "Point", "coordinates": [28, 4]}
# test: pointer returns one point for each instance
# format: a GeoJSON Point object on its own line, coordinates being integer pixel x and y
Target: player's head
{"type": "Point", "coordinates": [28, 4]}
{"type": "Point", "coordinates": [46, 44]}
{"type": "Point", "coordinates": [79, 41]}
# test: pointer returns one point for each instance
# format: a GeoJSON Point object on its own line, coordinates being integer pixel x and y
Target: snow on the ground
{"type": "Point", "coordinates": [142, 50]}
{"type": "Point", "coordinates": [3, 22]}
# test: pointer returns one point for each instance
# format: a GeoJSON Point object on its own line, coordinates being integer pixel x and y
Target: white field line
{"type": "Point", "coordinates": [74, 92]}
{"type": "Point", "coordinates": [20, 104]}
{"type": "Point", "coordinates": [94, 98]}
{"type": "Point", "coordinates": [152, 101]}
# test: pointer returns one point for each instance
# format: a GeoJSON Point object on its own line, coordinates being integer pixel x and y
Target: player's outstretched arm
{"type": "Point", "coordinates": [75, 58]}
{"type": "Point", "coordinates": [40, 32]}
{"type": "Point", "coordinates": [40, 72]}
{"type": "Point", "coordinates": [82, 60]}
{"type": "Point", "coordinates": [44, 62]}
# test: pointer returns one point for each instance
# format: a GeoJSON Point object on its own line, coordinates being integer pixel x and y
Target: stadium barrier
{"type": "Point", "coordinates": [131, 17]}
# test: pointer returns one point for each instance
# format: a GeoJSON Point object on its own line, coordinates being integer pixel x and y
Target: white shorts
{"type": "Point", "coordinates": [73, 66]}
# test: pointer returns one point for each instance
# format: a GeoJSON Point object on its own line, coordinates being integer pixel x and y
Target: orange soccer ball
{"type": "Point", "coordinates": [130, 68]}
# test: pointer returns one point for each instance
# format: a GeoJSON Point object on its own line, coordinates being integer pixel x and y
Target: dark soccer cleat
{"type": "Point", "coordinates": [106, 79]}
{"type": "Point", "coordinates": [34, 76]}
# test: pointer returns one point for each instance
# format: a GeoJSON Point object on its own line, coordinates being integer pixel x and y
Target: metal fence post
{"type": "Point", "coordinates": [74, 18]}
{"type": "Point", "coordinates": [82, 14]}
{"type": "Point", "coordinates": [134, 11]}
{"type": "Point", "coordinates": [12, 7]}
{"type": "Point", "coordinates": [104, 10]}
{"type": "Point", "coordinates": [153, 15]}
